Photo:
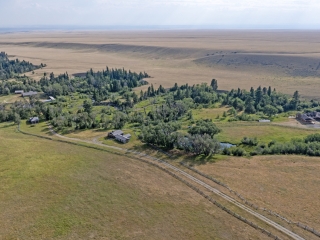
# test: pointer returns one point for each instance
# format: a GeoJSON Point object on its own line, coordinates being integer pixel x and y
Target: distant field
{"type": "Point", "coordinates": [51, 190]}
{"type": "Point", "coordinates": [288, 185]}
{"type": "Point", "coordinates": [287, 60]}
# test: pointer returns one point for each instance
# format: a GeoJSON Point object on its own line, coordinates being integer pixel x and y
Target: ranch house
{"type": "Point", "coordinates": [119, 136]}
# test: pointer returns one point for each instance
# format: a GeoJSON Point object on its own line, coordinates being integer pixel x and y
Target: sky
{"type": "Point", "coordinates": [291, 14]}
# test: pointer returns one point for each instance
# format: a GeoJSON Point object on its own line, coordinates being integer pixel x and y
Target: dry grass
{"type": "Point", "coordinates": [262, 58]}
{"type": "Point", "coordinates": [11, 98]}
{"type": "Point", "coordinates": [51, 190]}
{"type": "Point", "coordinates": [288, 185]}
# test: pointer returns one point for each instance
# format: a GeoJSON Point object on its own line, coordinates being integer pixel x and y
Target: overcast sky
{"type": "Point", "coordinates": [215, 13]}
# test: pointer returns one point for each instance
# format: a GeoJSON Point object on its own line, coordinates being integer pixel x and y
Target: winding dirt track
{"type": "Point", "coordinates": [196, 180]}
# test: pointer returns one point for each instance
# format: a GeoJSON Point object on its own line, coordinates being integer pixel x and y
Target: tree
{"type": "Point", "coordinates": [87, 105]}
{"type": "Point", "coordinates": [296, 96]}
{"type": "Point", "coordinates": [17, 119]}
{"type": "Point", "coordinates": [269, 91]}
{"type": "Point", "coordinates": [204, 127]}
{"type": "Point", "coordinates": [214, 84]}
{"type": "Point", "coordinates": [198, 144]}
{"type": "Point", "coordinates": [270, 110]}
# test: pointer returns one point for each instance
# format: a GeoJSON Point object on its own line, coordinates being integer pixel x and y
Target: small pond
{"type": "Point", "coordinates": [226, 145]}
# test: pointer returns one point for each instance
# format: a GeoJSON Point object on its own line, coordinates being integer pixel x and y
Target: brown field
{"type": "Point", "coordinates": [288, 185]}
{"type": "Point", "coordinates": [286, 60]}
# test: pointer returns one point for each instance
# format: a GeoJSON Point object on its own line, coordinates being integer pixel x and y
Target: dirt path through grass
{"type": "Point", "coordinates": [195, 180]}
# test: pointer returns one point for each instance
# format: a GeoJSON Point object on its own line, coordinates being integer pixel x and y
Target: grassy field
{"type": "Point", "coordinates": [285, 60]}
{"type": "Point", "coordinates": [11, 98]}
{"type": "Point", "coordinates": [51, 190]}
{"type": "Point", "coordinates": [234, 132]}
{"type": "Point", "coordinates": [288, 185]}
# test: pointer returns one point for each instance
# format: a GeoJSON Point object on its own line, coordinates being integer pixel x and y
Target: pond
{"type": "Point", "coordinates": [226, 145]}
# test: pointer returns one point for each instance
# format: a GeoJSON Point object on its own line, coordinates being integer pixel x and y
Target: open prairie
{"type": "Point", "coordinates": [286, 60]}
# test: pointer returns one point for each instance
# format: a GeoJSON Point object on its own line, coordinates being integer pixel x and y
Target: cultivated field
{"type": "Point", "coordinates": [286, 60]}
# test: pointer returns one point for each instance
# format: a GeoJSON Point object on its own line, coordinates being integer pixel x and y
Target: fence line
{"type": "Point", "coordinates": [304, 227]}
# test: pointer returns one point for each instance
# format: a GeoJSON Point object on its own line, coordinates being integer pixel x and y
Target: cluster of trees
{"type": "Point", "coordinates": [21, 83]}
{"type": "Point", "coordinates": [25, 109]}
{"type": "Point", "coordinates": [170, 111]}
{"type": "Point", "coordinates": [202, 127]}
{"type": "Point", "coordinates": [198, 144]}
{"type": "Point", "coordinates": [265, 100]}
{"type": "Point", "coordinates": [161, 134]}
{"type": "Point", "coordinates": [199, 140]}
{"type": "Point", "coordinates": [10, 68]}
{"type": "Point", "coordinates": [98, 84]}
{"type": "Point", "coordinates": [308, 146]}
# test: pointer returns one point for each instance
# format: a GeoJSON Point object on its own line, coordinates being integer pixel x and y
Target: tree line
{"type": "Point", "coordinates": [10, 68]}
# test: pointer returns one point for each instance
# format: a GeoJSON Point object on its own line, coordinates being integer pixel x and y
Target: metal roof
{"type": "Point", "coordinates": [117, 132]}
{"type": "Point", "coordinates": [120, 137]}
{"type": "Point", "coordinates": [31, 93]}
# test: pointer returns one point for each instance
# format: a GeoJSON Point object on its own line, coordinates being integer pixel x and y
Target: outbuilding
{"type": "Point", "coordinates": [29, 94]}
{"type": "Point", "coordinates": [264, 121]}
{"type": "Point", "coordinates": [18, 91]}
{"type": "Point", "coordinates": [34, 120]}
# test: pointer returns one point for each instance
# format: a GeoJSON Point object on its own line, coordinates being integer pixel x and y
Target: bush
{"type": "Point", "coordinates": [249, 141]}
{"type": "Point", "coordinates": [238, 152]}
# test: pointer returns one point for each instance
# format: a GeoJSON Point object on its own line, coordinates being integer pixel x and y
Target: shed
{"type": "Point", "coordinates": [52, 98]}
{"type": "Point", "coordinates": [34, 120]}
{"type": "Point", "coordinates": [264, 121]}
{"type": "Point", "coordinates": [18, 91]}
{"type": "Point", "coordinates": [29, 94]}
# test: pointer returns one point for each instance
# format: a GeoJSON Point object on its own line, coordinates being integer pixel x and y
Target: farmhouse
{"type": "Point", "coordinates": [123, 138]}
{"type": "Point", "coordinates": [115, 133]}
{"type": "Point", "coordinates": [314, 115]}
{"type": "Point", "coordinates": [34, 120]}
{"type": "Point", "coordinates": [18, 91]}
{"type": "Point", "coordinates": [304, 118]}
{"type": "Point", "coordinates": [29, 94]}
{"type": "Point", "coordinates": [119, 136]}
